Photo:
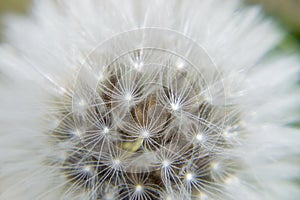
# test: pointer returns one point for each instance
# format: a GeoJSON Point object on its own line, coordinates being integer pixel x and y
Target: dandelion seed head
{"type": "Point", "coordinates": [139, 108]}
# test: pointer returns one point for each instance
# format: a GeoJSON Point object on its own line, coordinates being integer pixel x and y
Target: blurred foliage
{"type": "Point", "coordinates": [19, 6]}
{"type": "Point", "coordinates": [13, 6]}
{"type": "Point", "coordinates": [287, 13]}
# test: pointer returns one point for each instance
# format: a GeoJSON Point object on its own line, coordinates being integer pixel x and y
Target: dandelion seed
{"type": "Point", "coordinates": [88, 169]}
{"type": "Point", "coordinates": [189, 176]}
{"type": "Point", "coordinates": [215, 166]}
{"type": "Point", "coordinates": [139, 188]}
{"type": "Point", "coordinates": [76, 132]}
{"type": "Point", "coordinates": [145, 134]}
{"type": "Point", "coordinates": [128, 97]}
{"type": "Point", "coordinates": [166, 163]}
{"type": "Point", "coordinates": [202, 196]}
{"type": "Point", "coordinates": [106, 130]}
{"type": "Point", "coordinates": [199, 137]}
{"type": "Point", "coordinates": [180, 65]}
{"type": "Point", "coordinates": [175, 106]}
{"type": "Point", "coordinates": [138, 65]}
{"type": "Point", "coordinates": [116, 162]}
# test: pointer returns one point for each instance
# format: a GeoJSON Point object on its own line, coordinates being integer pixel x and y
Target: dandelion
{"type": "Point", "coordinates": [170, 100]}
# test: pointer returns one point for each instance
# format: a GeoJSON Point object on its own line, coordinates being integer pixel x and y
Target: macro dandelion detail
{"type": "Point", "coordinates": [160, 100]}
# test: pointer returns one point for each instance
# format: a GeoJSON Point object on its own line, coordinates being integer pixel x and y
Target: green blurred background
{"type": "Point", "coordinates": [287, 14]}
{"type": "Point", "coordinates": [20, 7]}
{"type": "Point", "coordinates": [14, 5]}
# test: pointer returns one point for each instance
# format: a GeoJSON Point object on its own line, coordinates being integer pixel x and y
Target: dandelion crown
{"type": "Point", "coordinates": [123, 107]}
{"type": "Point", "coordinates": [143, 119]}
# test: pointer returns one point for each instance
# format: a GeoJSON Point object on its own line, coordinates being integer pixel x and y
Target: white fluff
{"type": "Point", "coordinates": [44, 54]}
